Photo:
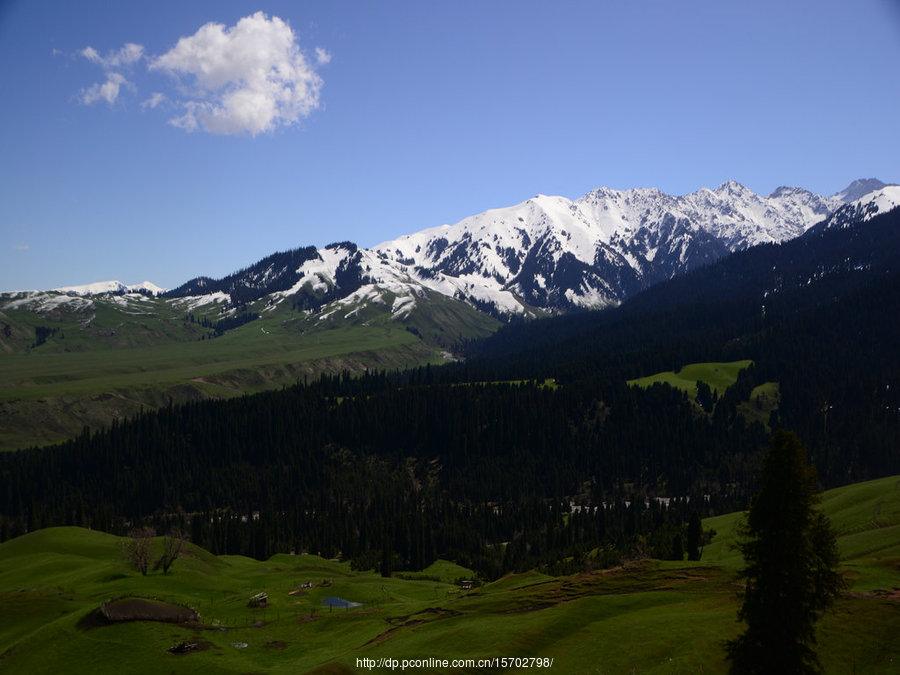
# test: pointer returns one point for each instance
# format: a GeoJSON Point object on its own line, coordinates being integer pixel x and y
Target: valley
{"type": "Point", "coordinates": [307, 417]}
{"type": "Point", "coordinates": [341, 338]}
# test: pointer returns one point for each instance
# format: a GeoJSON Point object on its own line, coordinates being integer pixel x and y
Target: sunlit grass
{"type": "Point", "coordinates": [719, 376]}
{"type": "Point", "coordinates": [648, 616]}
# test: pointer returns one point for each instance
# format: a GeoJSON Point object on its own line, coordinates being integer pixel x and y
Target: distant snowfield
{"type": "Point", "coordinates": [100, 287]}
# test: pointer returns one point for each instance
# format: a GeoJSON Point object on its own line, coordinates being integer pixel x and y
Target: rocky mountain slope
{"type": "Point", "coordinates": [553, 254]}
{"type": "Point", "coordinates": [546, 255]}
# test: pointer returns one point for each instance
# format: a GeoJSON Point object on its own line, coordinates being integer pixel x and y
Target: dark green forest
{"type": "Point", "coordinates": [534, 452]}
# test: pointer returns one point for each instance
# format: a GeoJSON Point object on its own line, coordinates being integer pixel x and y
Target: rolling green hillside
{"type": "Point", "coordinates": [646, 616]}
{"type": "Point", "coordinates": [67, 362]}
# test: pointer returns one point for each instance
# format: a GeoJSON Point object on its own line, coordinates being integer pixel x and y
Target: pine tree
{"type": "Point", "coordinates": [790, 555]}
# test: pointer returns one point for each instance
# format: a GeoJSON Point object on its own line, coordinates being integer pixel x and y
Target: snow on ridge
{"type": "Point", "coordinates": [479, 258]}
{"type": "Point", "coordinates": [880, 201]}
{"type": "Point", "coordinates": [860, 188]}
{"type": "Point", "coordinates": [192, 302]}
{"type": "Point", "coordinates": [865, 208]}
{"type": "Point", "coordinates": [482, 256]}
{"type": "Point", "coordinates": [148, 286]}
{"type": "Point", "coordinates": [732, 211]}
{"type": "Point", "coordinates": [43, 301]}
{"type": "Point", "coordinates": [502, 255]}
{"type": "Point", "coordinates": [95, 288]}
{"type": "Point", "coordinates": [319, 272]}
{"type": "Point", "coordinates": [101, 287]}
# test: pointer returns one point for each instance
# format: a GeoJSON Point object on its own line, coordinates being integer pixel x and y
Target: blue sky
{"type": "Point", "coordinates": [160, 141]}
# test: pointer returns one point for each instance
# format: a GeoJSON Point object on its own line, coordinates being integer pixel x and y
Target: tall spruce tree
{"type": "Point", "coordinates": [790, 556]}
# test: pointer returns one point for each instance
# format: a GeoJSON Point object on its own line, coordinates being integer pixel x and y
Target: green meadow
{"type": "Point", "coordinates": [46, 397]}
{"type": "Point", "coordinates": [220, 360]}
{"type": "Point", "coordinates": [115, 358]}
{"type": "Point", "coordinates": [719, 376]}
{"type": "Point", "coordinates": [763, 399]}
{"type": "Point", "coordinates": [646, 616]}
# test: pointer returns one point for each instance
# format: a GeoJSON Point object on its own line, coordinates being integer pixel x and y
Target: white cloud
{"type": "Point", "coordinates": [107, 91]}
{"type": "Point", "coordinates": [154, 100]}
{"type": "Point", "coordinates": [322, 56]}
{"type": "Point", "coordinates": [248, 78]}
{"type": "Point", "coordinates": [20, 247]}
{"type": "Point", "coordinates": [91, 54]}
{"type": "Point", "coordinates": [126, 56]}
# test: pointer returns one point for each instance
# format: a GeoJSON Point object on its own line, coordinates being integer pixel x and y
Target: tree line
{"type": "Point", "coordinates": [391, 470]}
{"type": "Point", "coordinates": [499, 476]}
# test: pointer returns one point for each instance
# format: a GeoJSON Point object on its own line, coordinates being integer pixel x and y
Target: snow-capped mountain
{"type": "Point", "coordinates": [860, 188]}
{"type": "Point", "coordinates": [547, 254]}
{"type": "Point", "coordinates": [101, 287]}
{"type": "Point", "coordinates": [880, 201]}
{"type": "Point", "coordinates": [556, 254]}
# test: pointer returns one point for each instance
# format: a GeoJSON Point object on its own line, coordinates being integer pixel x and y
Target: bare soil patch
{"type": "Point", "coordinates": [893, 594]}
{"type": "Point", "coordinates": [137, 609]}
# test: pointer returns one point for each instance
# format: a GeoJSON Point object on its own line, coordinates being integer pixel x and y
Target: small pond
{"type": "Point", "coordinates": [332, 601]}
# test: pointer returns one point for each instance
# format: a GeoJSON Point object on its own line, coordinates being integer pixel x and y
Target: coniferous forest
{"type": "Point", "coordinates": [534, 451]}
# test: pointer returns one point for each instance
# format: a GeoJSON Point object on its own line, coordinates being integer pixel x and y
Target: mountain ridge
{"type": "Point", "coordinates": [347, 308]}
{"type": "Point", "coordinates": [547, 254]}
{"type": "Point", "coordinates": [112, 286]}
{"type": "Point", "coordinates": [550, 254]}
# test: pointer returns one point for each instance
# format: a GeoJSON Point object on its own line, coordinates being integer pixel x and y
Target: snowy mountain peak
{"type": "Point", "coordinates": [546, 254]}
{"type": "Point", "coordinates": [553, 253]}
{"type": "Point", "coordinates": [874, 203]}
{"type": "Point", "coordinates": [860, 188]}
{"type": "Point", "coordinates": [732, 187]}
{"type": "Point", "coordinates": [886, 199]}
{"type": "Point", "coordinates": [863, 209]}
{"type": "Point", "coordinates": [787, 191]}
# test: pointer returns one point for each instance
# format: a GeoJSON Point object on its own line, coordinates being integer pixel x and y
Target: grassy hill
{"type": "Point", "coordinates": [109, 356]}
{"type": "Point", "coordinates": [646, 616]}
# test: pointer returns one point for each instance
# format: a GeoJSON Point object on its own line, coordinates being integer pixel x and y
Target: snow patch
{"type": "Point", "coordinates": [43, 302]}
{"type": "Point", "coordinates": [402, 306]}
{"type": "Point", "coordinates": [192, 302]}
